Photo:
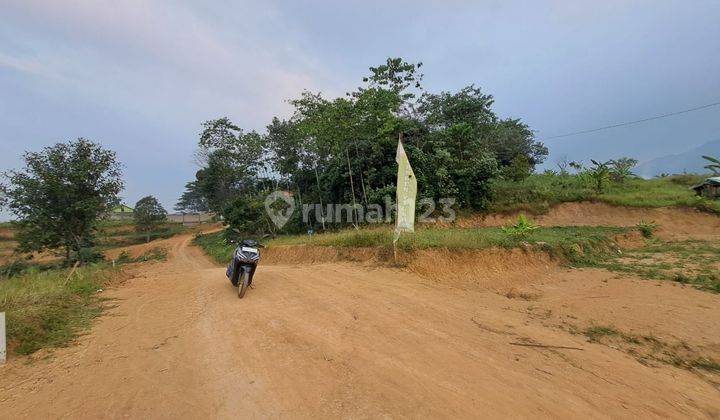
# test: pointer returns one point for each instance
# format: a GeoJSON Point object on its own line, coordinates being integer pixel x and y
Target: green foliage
{"type": "Point", "coordinates": [154, 254]}
{"type": "Point", "coordinates": [192, 199]}
{"type": "Point", "coordinates": [645, 347]}
{"type": "Point", "coordinates": [599, 175]}
{"type": "Point", "coordinates": [537, 193]}
{"type": "Point", "coordinates": [569, 243]}
{"type": "Point", "coordinates": [702, 281]}
{"type": "Point", "coordinates": [522, 228]}
{"type": "Point", "coordinates": [597, 332]}
{"type": "Point", "coordinates": [90, 255]}
{"type": "Point", "coordinates": [148, 215]}
{"type": "Point", "coordinates": [231, 163]}
{"type": "Point", "coordinates": [216, 245]}
{"type": "Point", "coordinates": [46, 309]}
{"type": "Point", "coordinates": [518, 169]}
{"type": "Point", "coordinates": [13, 268]}
{"type": "Point", "coordinates": [576, 243]}
{"type": "Point", "coordinates": [247, 214]}
{"type": "Point", "coordinates": [342, 150]}
{"type": "Point", "coordinates": [395, 75]}
{"type": "Point", "coordinates": [61, 193]}
{"type": "Point", "coordinates": [646, 228]}
{"type": "Point", "coordinates": [714, 165]}
{"type": "Point", "coordinates": [683, 262]}
{"type": "Point", "coordinates": [621, 168]}
{"type": "Point", "coordinates": [686, 180]}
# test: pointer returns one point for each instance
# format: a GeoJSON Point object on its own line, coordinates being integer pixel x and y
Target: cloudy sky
{"type": "Point", "coordinates": [140, 76]}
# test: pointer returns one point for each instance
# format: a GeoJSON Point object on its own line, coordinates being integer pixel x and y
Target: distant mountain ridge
{"type": "Point", "coordinates": [690, 161]}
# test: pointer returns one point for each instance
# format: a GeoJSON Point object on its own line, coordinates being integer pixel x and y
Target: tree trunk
{"type": "Point", "coordinates": [322, 215]}
{"type": "Point", "coordinates": [352, 189]}
{"type": "Point", "coordinates": [362, 179]}
{"type": "Point", "coordinates": [300, 198]}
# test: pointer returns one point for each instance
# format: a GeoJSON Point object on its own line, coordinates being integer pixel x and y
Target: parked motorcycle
{"type": "Point", "coordinates": [241, 269]}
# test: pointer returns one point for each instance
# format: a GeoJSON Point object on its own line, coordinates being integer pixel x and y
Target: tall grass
{"type": "Point", "coordinates": [45, 309]}
{"type": "Point", "coordinates": [567, 242]}
{"type": "Point", "coordinates": [215, 245]}
{"type": "Point", "coordinates": [537, 193]}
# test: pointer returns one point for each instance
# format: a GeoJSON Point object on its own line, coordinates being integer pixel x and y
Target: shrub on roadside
{"type": "Point", "coordinates": [521, 229]}
{"type": "Point", "coordinates": [48, 309]}
{"type": "Point", "coordinates": [13, 268]}
{"type": "Point", "coordinates": [647, 229]}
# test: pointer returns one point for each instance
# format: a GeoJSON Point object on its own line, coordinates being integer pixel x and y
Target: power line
{"type": "Point", "coordinates": [657, 117]}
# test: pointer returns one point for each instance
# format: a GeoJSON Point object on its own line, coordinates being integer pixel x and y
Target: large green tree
{"type": "Point", "coordinates": [342, 150]}
{"type": "Point", "coordinates": [148, 215]}
{"type": "Point", "coordinates": [192, 199]}
{"type": "Point", "coordinates": [60, 194]}
{"type": "Point", "coordinates": [234, 161]}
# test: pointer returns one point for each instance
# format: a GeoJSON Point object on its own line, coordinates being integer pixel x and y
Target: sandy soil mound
{"type": "Point", "coordinates": [673, 223]}
{"type": "Point", "coordinates": [499, 270]}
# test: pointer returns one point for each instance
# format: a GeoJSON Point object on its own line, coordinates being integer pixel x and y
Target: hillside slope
{"type": "Point", "coordinates": [690, 161]}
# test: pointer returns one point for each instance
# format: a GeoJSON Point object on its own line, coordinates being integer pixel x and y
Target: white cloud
{"type": "Point", "coordinates": [150, 55]}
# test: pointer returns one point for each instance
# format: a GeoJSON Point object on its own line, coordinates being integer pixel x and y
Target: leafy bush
{"type": "Point", "coordinates": [13, 268]}
{"type": "Point", "coordinates": [599, 175]}
{"type": "Point", "coordinates": [518, 169]}
{"type": "Point", "coordinates": [687, 180]}
{"type": "Point", "coordinates": [247, 214]}
{"type": "Point", "coordinates": [646, 228]}
{"type": "Point", "coordinates": [522, 228]}
{"type": "Point", "coordinates": [148, 215]}
{"type": "Point", "coordinates": [621, 168]}
{"type": "Point", "coordinates": [124, 257]}
{"type": "Point", "coordinates": [89, 255]}
{"type": "Point", "coordinates": [714, 164]}
{"type": "Point", "coordinates": [156, 253]}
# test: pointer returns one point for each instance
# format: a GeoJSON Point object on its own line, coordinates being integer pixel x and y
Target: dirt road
{"type": "Point", "coordinates": [351, 341]}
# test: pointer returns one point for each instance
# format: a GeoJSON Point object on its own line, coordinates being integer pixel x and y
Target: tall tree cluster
{"type": "Point", "coordinates": [342, 150]}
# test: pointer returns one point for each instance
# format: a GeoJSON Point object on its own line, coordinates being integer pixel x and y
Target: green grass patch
{"type": "Point", "coordinates": [705, 363]}
{"type": "Point", "coordinates": [215, 245]}
{"type": "Point", "coordinates": [650, 348]}
{"type": "Point", "coordinates": [570, 243]}
{"type": "Point", "coordinates": [596, 334]}
{"type": "Point", "coordinates": [44, 309]}
{"type": "Point", "coordinates": [537, 193]}
{"type": "Point", "coordinates": [155, 254]}
{"type": "Point", "coordinates": [691, 262]}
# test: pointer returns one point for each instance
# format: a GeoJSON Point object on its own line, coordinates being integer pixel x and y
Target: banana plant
{"type": "Point", "coordinates": [599, 174]}
{"type": "Point", "coordinates": [714, 166]}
